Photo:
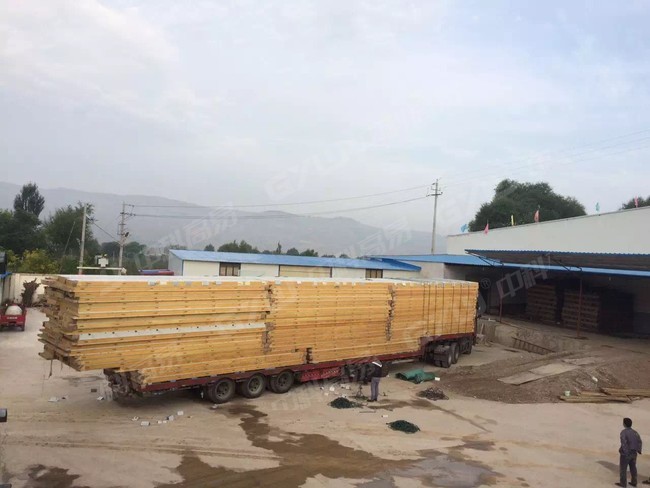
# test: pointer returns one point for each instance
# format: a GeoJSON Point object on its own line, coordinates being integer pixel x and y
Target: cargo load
{"type": "Point", "coordinates": [153, 334]}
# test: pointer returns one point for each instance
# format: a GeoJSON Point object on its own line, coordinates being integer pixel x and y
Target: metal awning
{"type": "Point", "coordinates": [627, 262]}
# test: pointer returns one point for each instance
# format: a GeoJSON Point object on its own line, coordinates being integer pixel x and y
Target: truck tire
{"type": "Point", "coordinates": [455, 352]}
{"type": "Point", "coordinates": [468, 346]}
{"type": "Point", "coordinates": [282, 382]}
{"type": "Point", "coordinates": [222, 391]}
{"type": "Point", "coordinates": [448, 359]}
{"type": "Point", "coordinates": [253, 386]}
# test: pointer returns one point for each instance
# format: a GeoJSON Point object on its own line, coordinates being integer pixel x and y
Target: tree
{"type": "Point", "coordinates": [344, 256]}
{"type": "Point", "coordinates": [309, 252]}
{"type": "Point", "coordinates": [278, 250]}
{"type": "Point", "coordinates": [235, 246]}
{"type": "Point", "coordinates": [63, 232]}
{"type": "Point", "coordinates": [328, 256]}
{"type": "Point", "coordinates": [110, 249]}
{"type": "Point", "coordinates": [37, 261]}
{"type": "Point", "coordinates": [643, 202]}
{"type": "Point", "coordinates": [293, 252]}
{"type": "Point", "coordinates": [30, 200]}
{"type": "Point", "coordinates": [20, 231]}
{"type": "Point", "coordinates": [522, 200]}
{"type": "Point", "coordinates": [209, 247]}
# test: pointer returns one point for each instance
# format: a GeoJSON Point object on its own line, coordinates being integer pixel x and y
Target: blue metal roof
{"type": "Point", "coordinates": [286, 260]}
{"type": "Point", "coordinates": [471, 260]}
{"type": "Point", "coordinates": [464, 259]}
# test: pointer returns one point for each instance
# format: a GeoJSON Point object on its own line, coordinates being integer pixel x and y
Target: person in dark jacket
{"type": "Point", "coordinates": [375, 378]}
{"type": "Point", "coordinates": [630, 446]}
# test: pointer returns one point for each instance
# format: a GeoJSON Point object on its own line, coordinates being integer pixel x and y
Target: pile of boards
{"type": "Point", "coordinates": [607, 395]}
{"type": "Point", "coordinates": [171, 328]}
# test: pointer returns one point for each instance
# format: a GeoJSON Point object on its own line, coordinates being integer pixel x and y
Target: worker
{"type": "Point", "coordinates": [630, 446]}
{"type": "Point", "coordinates": [375, 377]}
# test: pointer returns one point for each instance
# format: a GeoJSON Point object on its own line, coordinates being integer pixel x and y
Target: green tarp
{"type": "Point", "coordinates": [416, 376]}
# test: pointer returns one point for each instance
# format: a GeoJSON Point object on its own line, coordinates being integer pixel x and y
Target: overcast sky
{"type": "Point", "coordinates": [245, 103]}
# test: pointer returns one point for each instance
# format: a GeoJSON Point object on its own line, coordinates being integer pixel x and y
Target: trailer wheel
{"type": "Point", "coordinates": [448, 359]}
{"type": "Point", "coordinates": [252, 387]}
{"type": "Point", "coordinates": [283, 382]}
{"type": "Point", "coordinates": [222, 391]}
{"type": "Point", "coordinates": [468, 347]}
{"type": "Point", "coordinates": [455, 352]}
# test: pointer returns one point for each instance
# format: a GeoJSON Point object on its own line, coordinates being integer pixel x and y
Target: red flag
{"type": "Point", "coordinates": [487, 228]}
{"type": "Point", "coordinates": [537, 215]}
{"type": "Point", "coordinates": [636, 202]}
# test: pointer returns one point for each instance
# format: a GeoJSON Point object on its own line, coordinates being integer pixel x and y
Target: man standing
{"type": "Point", "coordinates": [375, 377]}
{"type": "Point", "coordinates": [630, 446]}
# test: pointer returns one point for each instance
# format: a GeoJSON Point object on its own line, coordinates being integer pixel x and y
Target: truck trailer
{"type": "Point", "coordinates": [228, 335]}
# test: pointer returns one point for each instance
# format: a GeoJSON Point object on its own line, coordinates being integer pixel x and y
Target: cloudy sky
{"type": "Point", "coordinates": [247, 103]}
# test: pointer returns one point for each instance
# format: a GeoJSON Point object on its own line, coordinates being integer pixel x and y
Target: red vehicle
{"type": "Point", "coordinates": [13, 315]}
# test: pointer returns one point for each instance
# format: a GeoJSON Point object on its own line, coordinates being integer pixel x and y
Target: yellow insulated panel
{"type": "Point", "coordinates": [172, 328]}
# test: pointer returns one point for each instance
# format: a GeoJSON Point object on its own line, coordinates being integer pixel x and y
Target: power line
{"type": "Point", "coordinates": [105, 232]}
{"type": "Point", "coordinates": [279, 216]}
{"type": "Point", "coordinates": [419, 187]}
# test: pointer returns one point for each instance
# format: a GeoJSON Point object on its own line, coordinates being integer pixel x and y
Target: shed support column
{"type": "Point", "coordinates": [579, 310]}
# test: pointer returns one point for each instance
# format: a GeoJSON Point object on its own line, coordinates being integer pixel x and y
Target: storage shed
{"type": "Point", "coordinates": [208, 263]}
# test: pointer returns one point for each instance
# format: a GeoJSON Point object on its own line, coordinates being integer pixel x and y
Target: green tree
{"type": "Point", "coordinates": [235, 246]}
{"type": "Point", "coordinates": [110, 249]}
{"type": "Point", "coordinates": [328, 256]}
{"type": "Point", "coordinates": [209, 247]}
{"type": "Point", "coordinates": [309, 252]}
{"type": "Point", "coordinates": [522, 200]}
{"type": "Point", "coordinates": [63, 232]}
{"type": "Point", "coordinates": [30, 200]}
{"type": "Point", "coordinates": [20, 231]}
{"type": "Point", "coordinates": [293, 252]}
{"type": "Point", "coordinates": [344, 256]}
{"type": "Point", "coordinates": [643, 202]}
{"type": "Point", "coordinates": [37, 261]}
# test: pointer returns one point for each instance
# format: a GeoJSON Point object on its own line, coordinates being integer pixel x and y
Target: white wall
{"type": "Point", "coordinates": [627, 231]}
{"type": "Point", "coordinates": [14, 286]}
{"type": "Point", "coordinates": [249, 269]}
{"type": "Point", "coordinates": [398, 274]}
{"type": "Point", "coordinates": [175, 264]}
{"type": "Point", "coordinates": [348, 273]}
{"type": "Point", "coordinates": [200, 268]}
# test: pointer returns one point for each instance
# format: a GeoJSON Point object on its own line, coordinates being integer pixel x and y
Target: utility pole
{"type": "Point", "coordinates": [436, 193]}
{"type": "Point", "coordinates": [122, 233]}
{"type": "Point", "coordinates": [83, 241]}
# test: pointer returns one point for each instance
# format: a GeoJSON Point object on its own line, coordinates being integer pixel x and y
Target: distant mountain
{"type": "Point", "coordinates": [264, 230]}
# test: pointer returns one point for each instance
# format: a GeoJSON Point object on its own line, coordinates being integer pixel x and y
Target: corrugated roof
{"type": "Point", "coordinates": [464, 259]}
{"type": "Point", "coordinates": [471, 260]}
{"type": "Point", "coordinates": [618, 261]}
{"type": "Point", "coordinates": [285, 260]}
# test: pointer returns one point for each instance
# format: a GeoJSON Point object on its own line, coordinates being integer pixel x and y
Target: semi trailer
{"type": "Point", "coordinates": [228, 335]}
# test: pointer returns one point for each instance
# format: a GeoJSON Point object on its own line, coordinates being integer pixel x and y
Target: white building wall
{"type": "Point", "coordinates": [399, 274]}
{"type": "Point", "coordinates": [626, 231]}
{"type": "Point", "coordinates": [200, 268]}
{"type": "Point", "coordinates": [175, 264]}
{"type": "Point", "coordinates": [348, 273]}
{"type": "Point", "coordinates": [13, 286]}
{"type": "Point", "coordinates": [249, 269]}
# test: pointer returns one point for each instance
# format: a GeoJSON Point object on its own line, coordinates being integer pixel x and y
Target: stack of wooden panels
{"type": "Point", "coordinates": [541, 303]}
{"type": "Point", "coordinates": [171, 328]}
{"type": "Point", "coordinates": [588, 309]}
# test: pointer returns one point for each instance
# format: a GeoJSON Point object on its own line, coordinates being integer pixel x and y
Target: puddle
{"type": "Point", "coordinates": [40, 476]}
{"type": "Point", "coordinates": [303, 456]}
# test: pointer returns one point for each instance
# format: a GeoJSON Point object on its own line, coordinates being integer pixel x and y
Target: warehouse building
{"type": "Point", "coordinates": [207, 263]}
{"type": "Point", "coordinates": [590, 272]}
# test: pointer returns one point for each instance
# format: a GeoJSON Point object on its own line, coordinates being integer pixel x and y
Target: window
{"type": "Point", "coordinates": [374, 273]}
{"type": "Point", "coordinates": [229, 269]}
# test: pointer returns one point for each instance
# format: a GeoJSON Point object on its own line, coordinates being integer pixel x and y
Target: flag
{"type": "Point", "coordinates": [536, 215]}
{"type": "Point", "coordinates": [512, 220]}
{"type": "Point", "coordinates": [597, 206]}
{"type": "Point", "coordinates": [487, 228]}
{"type": "Point", "coordinates": [636, 202]}
{"type": "Point", "coordinates": [463, 228]}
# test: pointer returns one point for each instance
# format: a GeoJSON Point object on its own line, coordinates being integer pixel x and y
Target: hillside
{"type": "Point", "coordinates": [333, 235]}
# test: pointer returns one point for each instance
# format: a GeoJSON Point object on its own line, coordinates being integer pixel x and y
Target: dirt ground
{"type": "Point", "coordinates": [297, 439]}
